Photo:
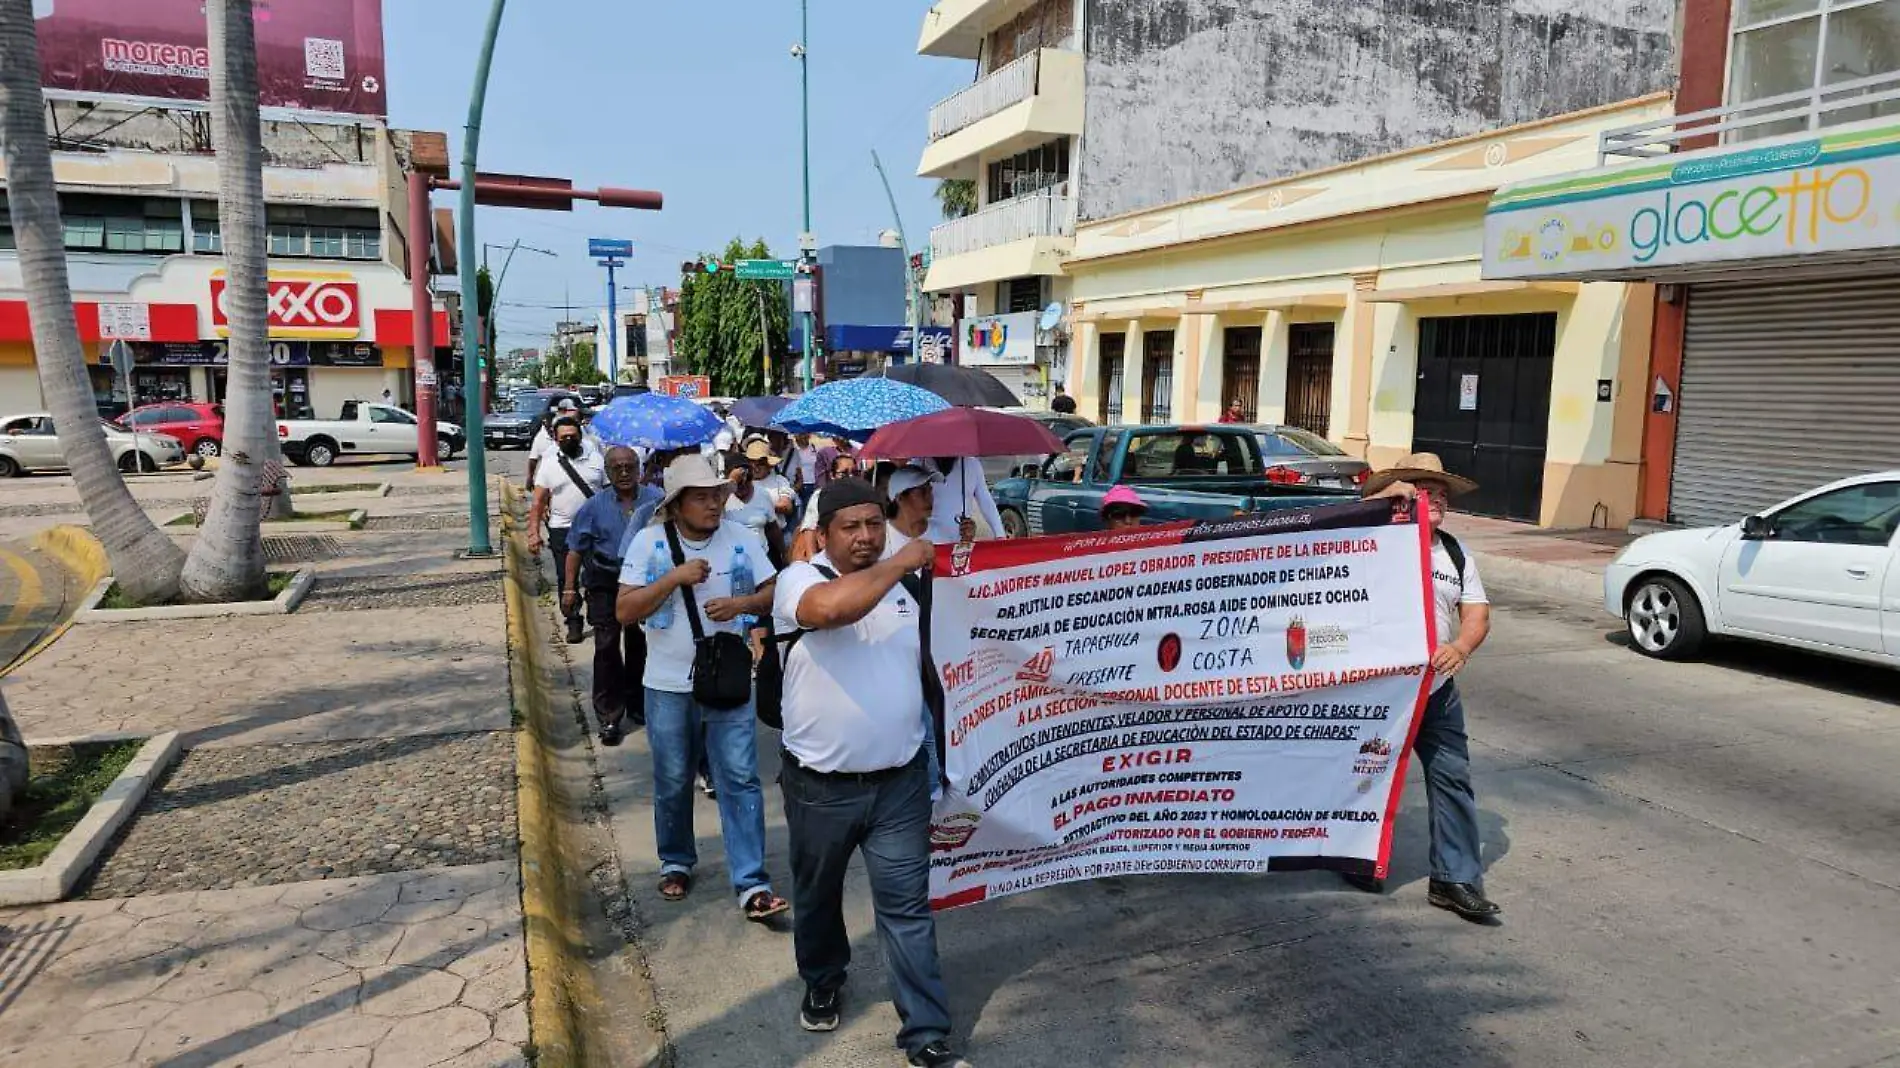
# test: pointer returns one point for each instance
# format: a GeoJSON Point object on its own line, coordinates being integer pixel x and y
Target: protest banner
{"type": "Point", "coordinates": [1224, 697]}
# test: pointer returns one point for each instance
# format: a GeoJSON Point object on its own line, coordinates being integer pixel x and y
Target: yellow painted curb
{"type": "Point", "coordinates": [77, 552]}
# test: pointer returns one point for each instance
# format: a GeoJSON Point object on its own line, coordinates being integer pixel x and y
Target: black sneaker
{"type": "Point", "coordinates": [611, 735]}
{"type": "Point", "coordinates": [574, 631]}
{"type": "Point", "coordinates": [819, 1010]}
{"type": "Point", "coordinates": [938, 1054]}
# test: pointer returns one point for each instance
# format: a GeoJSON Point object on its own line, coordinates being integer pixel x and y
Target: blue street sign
{"type": "Point", "coordinates": [603, 248]}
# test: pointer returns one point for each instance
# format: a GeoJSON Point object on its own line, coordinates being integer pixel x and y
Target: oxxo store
{"type": "Point", "coordinates": [335, 335]}
{"type": "Point", "coordinates": [1775, 359]}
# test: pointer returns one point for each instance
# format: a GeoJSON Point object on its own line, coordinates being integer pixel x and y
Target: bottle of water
{"type": "Point", "coordinates": [657, 566]}
{"type": "Point", "coordinates": [743, 584]}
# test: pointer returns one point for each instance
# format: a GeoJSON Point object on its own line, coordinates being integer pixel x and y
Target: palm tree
{"type": "Point", "coordinates": [144, 560]}
{"type": "Point", "coordinates": [957, 197]}
{"type": "Point", "coordinates": [227, 559]}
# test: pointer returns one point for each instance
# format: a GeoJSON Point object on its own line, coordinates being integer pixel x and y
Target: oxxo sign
{"type": "Point", "coordinates": [1818, 195]}
{"type": "Point", "coordinates": [307, 304]}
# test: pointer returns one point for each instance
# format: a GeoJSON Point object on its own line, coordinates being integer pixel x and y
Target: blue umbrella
{"type": "Point", "coordinates": [758, 411]}
{"type": "Point", "coordinates": [857, 407]}
{"type": "Point", "coordinates": [655, 421]}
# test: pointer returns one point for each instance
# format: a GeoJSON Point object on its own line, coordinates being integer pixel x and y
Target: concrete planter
{"type": "Point", "coordinates": [55, 876]}
{"type": "Point", "coordinates": [283, 603]}
{"type": "Point", "coordinates": [293, 526]}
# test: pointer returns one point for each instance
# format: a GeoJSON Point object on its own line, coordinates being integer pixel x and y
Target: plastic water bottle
{"type": "Point", "coordinates": [743, 584]}
{"type": "Point", "coordinates": [657, 566]}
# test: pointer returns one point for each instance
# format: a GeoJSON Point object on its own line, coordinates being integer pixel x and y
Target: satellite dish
{"type": "Point", "coordinates": [1051, 317]}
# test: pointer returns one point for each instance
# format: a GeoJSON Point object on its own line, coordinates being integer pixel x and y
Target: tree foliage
{"type": "Point", "coordinates": [720, 324]}
{"type": "Point", "coordinates": [957, 197]}
{"type": "Point", "coordinates": [572, 364]}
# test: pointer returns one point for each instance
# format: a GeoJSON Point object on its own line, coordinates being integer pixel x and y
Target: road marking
{"type": "Point", "coordinates": [31, 590]}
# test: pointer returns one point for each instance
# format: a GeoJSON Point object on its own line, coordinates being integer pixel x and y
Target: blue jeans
{"type": "Point", "coordinates": [1444, 750]}
{"type": "Point", "coordinates": [888, 821]}
{"type": "Point", "coordinates": [675, 725]}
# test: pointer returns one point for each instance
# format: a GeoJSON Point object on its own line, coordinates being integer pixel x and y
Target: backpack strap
{"type": "Point", "coordinates": [686, 592]}
{"type": "Point", "coordinates": [587, 491]}
{"type": "Point", "coordinates": [1457, 554]}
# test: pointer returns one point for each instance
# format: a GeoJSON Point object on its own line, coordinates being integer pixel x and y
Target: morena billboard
{"type": "Point", "coordinates": [311, 56]}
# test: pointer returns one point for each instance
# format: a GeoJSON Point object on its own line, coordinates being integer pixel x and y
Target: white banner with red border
{"type": "Point", "coordinates": [1233, 697]}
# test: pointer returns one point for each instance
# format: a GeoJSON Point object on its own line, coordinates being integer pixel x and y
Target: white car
{"type": "Point", "coordinates": [28, 443]}
{"type": "Point", "coordinates": [1818, 572]}
{"type": "Point", "coordinates": [362, 427]}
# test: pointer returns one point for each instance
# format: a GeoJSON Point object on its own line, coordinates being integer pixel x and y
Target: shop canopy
{"type": "Point", "coordinates": [1723, 212]}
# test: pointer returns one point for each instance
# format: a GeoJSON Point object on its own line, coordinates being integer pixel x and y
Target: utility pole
{"type": "Point", "coordinates": [916, 291]}
{"type": "Point", "coordinates": [807, 242]}
{"type": "Point", "coordinates": [765, 343]}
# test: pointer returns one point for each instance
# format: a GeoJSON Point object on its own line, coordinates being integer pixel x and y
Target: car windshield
{"type": "Point", "coordinates": [528, 404]}
{"type": "Point", "coordinates": [1292, 441]}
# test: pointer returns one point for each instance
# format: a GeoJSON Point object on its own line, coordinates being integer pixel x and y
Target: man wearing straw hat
{"type": "Point", "coordinates": [1463, 615]}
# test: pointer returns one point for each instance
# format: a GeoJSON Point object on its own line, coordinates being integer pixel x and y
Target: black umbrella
{"type": "Point", "coordinates": [965, 387]}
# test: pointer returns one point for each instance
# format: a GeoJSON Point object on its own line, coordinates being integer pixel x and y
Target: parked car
{"type": "Point", "coordinates": [997, 468]}
{"type": "Point", "coordinates": [1183, 472]}
{"type": "Point", "coordinates": [527, 413]}
{"type": "Point", "coordinates": [361, 428]}
{"type": "Point", "coordinates": [1816, 572]}
{"type": "Point", "coordinates": [28, 443]}
{"type": "Point", "coordinates": [1298, 457]}
{"type": "Point", "coordinates": [200, 427]}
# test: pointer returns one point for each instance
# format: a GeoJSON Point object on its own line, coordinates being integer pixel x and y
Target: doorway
{"type": "Point", "coordinates": [1240, 371]}
{"type": "Point", "coordinates": [1483, 405]}
{"type": "Point", "coordinates": [1309, 377]}
{"type": "Point", "coordinates": [1114, 346]}
{"type": "Point", "coordinates": [1157, 376]}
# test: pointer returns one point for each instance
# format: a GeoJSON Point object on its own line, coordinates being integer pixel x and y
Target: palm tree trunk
{"type": "Point", "coordinates": [227, 559]}
{"type": "Point", "coordinates": [144, 560]}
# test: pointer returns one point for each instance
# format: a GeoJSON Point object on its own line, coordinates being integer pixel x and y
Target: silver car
{"type": "Point", "coordinates": [28, 443]}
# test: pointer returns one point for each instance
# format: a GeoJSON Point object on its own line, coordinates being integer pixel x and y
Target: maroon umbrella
{"type": "Point", "coordinates": [961, 432]}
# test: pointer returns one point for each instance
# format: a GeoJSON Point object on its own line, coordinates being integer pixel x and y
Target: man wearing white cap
{"type": "Point", "coordinates": [691, 577]}
{"type": "Point", "coordinates": [913, 492]}
{"type": "Point", "coordinates": [965, 494]}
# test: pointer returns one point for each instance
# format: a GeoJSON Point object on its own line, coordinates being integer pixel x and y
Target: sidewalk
{"type": "Point", "coordinates": [328, 878]}
{"type": "Point", "coordinates": [1521, 558]}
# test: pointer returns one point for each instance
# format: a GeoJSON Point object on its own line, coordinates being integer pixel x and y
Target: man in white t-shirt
{"type": "Point", "coordinates": [572, 472]}
{"type": "Point", "coordinates": [1463, 618]}
{"type": "Point", "coordinates": [855, 771]}
{"type": "Point", "coordinates": [654, 584]}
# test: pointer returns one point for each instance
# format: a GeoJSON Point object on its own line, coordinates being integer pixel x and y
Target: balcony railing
{"type": "Point", "coordinates": [1049, 214]}
{"type": "Point", "coordinates": [1007, 85]}
{"type": "Point", "coordinates": [1807, 109]}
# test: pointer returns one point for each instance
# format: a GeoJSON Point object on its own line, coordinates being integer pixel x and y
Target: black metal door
{"type": "Point", "coordinates": [1483, 406]}
{"type": "Point", "coordinates": [1309, 376]}
{"type": "Point", "coordinates": [1113, 348]}
{"type": "Point", "coordinates": [1240, 371]}
{"type": "Point", "coordinates": [1157, 376]}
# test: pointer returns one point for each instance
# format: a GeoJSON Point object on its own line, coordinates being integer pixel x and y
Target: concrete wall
{"type": "Point", "coordinates": [1191, 97]}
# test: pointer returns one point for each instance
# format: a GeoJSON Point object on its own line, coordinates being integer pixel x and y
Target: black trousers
{"type": "Point", "coordinates": [557, 544]}
{"type": "Point", "coordinates": [620, 663]}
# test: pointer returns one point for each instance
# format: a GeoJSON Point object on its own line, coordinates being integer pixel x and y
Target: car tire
{"type": "Point", "coordinates": [1014, 525]}
{"type": "Point", "coordinates": [9, 468]}
{"type": "Point", "coordinates": [444, 449]}
{"type": "Point", "coordinates": [1664, 618]}
{"type": "Point", "coordinates": [207, 447]}
{"type": "Point", "coordinates": [319, 452]}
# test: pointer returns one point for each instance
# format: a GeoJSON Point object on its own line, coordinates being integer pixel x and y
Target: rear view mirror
{"type": "Point", "coordinates": [1757, 528]}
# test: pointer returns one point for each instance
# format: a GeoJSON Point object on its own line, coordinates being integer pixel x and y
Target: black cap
{"type": "Point", "coordinates": [845, 493]}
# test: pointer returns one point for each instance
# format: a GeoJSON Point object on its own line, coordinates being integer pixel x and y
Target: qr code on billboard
{"type": "Point", "coordinates": [323, 58]}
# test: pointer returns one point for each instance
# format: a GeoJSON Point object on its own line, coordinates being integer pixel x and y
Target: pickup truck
{"type": "Point", "coordinates": [362, 428]}
{"type": "Point", "coordinates": [1182, 472]}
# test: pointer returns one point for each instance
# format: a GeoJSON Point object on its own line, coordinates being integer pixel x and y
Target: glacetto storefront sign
{"type": "Point", "coordinates": [1836, 193]}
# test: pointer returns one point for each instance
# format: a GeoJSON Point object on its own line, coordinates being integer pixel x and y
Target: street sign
{"type": "Point", "coordinates": [608, 248]}
{"type": "Point", "coordinates": [771, 270]}
{"type": "Point", "coordinates": [119, 355]}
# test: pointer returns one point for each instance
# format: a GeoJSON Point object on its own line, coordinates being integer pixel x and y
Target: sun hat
{"type": "Point", "coordinates": [691, 471]}
{"type": "Point", "coordinates": [1418, 467]}
{"type": "Point", "coordinates": [1124, 495]}
{"type": "Point", "coordinates": [760, 449]}
{"type": "Point", "coordinates": [905, 479]}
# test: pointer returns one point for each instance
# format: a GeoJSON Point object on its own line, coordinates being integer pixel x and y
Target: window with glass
{"type": "Point", "coordinates": [1189, 454]}
{"type": "Point", "coordinates": [1858, 515]}
{"type": "Point", "coordinates": [1815, 58]}
{"type": "Point", "coordinates": [122, 224]}
{"type": "Point", "coordinates": [1032, 171]}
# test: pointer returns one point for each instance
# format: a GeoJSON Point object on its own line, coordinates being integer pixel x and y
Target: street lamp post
{"type": "Point", "coordinates": [489, 333]}
{"type": "Point", "coordinates": [916, 291]}
{"type": "Point", "coordinates": [807, 244]}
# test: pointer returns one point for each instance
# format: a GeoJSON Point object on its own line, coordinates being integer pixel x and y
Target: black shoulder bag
{"type": "Point", "coordinates": [722, 661]}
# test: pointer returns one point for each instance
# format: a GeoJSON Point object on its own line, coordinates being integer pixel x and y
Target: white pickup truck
{"type": "Point", "coordinates": [362, 428]}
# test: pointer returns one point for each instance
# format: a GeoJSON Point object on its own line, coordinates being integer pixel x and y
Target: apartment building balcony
{"type": "Point", "coordinates": [1030, 235]}
{"type": "Point", "coordinates": [1017, 106]}
{"type": "Point", "coordinates": [954, 29]}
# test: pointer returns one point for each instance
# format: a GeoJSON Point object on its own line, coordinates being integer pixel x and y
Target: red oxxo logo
{"type": "Point", "coordinates": [314, 305]}
{"type": "Point", "coordinates": [1036, 668]}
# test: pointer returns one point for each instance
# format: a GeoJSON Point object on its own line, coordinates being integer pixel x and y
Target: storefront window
{"type": "Point", "coordinates": [1840, 49]}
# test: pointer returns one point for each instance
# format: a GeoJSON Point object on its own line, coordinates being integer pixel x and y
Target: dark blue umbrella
{"type": "Point", "coordinates": [758, 411]}
{"type": "Point", "coordinates": [857, 407]}
{"type": "Point", "coordinates": [655, 421]}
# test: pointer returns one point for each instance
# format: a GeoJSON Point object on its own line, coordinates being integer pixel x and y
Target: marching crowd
{"type": "Point", "coordinates": [781, 579]}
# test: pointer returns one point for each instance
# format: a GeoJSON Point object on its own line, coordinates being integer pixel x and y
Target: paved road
{"type": "Point", "coordinates": [1700, 866]}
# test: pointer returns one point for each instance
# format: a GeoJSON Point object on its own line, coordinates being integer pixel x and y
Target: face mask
{"type": "Point", "coordinates": [571, 446]}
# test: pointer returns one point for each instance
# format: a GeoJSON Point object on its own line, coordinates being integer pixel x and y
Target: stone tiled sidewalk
{"type": "Point", "coordinates": [398, 971]}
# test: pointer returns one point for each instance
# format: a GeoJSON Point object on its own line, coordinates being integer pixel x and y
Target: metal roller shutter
{"type": "Point", "coordinates": [1786, 385]}
{"type": "Point", "coordinates": [19, 390]}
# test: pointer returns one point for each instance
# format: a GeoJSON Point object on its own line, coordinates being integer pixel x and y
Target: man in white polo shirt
{"type": "Point", "coordinates": [855, 770]}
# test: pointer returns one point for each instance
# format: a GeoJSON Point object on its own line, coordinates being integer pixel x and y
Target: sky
{"type": "Point", "coordinates": [697, 100]}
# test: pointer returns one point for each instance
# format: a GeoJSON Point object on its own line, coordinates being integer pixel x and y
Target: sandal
{"type": "Point", "coordinates": [764, 905]}
{"type": "Point", "coordinates": [675, 885]}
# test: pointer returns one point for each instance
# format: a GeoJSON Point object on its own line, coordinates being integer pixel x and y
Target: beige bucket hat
{"type": "Point", "coordinates": [1418, 467]}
